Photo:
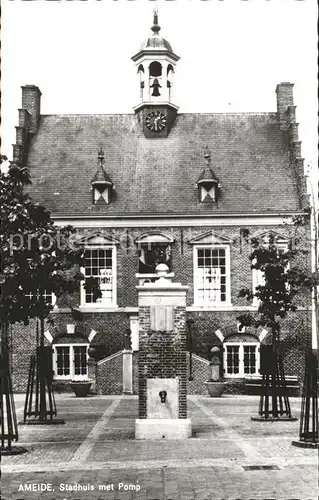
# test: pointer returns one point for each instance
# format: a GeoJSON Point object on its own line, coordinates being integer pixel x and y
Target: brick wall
{"type": "Point", "coordinates": [199, 373]}
{"type": "Point", "coordinates": [162, 355]}
{"type": "Point", "coordinates": [135, 372]}
{"type": "Point", "coordinates": [109, 375]}
{"type": "Point", "coordinates": [31, 101]}
{"type": "Point", "coordinates": [22, 347]}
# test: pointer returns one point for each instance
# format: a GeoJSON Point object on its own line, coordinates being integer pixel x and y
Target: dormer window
{"type": "Point", "coordinates": [207, 192]}
{"type": "Point", "coordinates": [208, 184]}
{"type": "Point", "coordinates": [101, 184]}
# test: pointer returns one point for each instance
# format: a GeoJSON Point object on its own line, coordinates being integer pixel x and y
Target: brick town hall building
{"type": "Point", "coordinates": [156, 185]}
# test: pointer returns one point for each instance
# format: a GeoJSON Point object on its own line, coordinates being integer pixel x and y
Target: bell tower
{"type": "Point", "coordinates": [155, 63]}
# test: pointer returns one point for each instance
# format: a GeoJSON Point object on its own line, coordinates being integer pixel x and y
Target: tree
{"type": "Point", "coordinates": [36, 257]}
{"type": "Point", "coordinates": [282, 281]}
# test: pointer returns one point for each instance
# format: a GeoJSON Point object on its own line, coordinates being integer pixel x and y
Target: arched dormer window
{"type": "Point", "coordinates": [153, 249]}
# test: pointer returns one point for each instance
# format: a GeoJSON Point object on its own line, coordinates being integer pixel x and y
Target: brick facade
{"type": "Point", "coordinates": [111, 326]}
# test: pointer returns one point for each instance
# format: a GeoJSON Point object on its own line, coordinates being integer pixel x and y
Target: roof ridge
{"type": "Point", "coordinates": [251, 113]}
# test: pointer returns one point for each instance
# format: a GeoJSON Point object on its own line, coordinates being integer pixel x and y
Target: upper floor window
{"type": "Point", "coordinates": [258, 277]}
{"type": "Point", "coordinates": [211, 269]}
{"type": "Point", "coordinates": [100, 265]}
{"type": "Point", "coordinates": [211, 275]}
{"type": "Point", "coordinates": [153, 249]}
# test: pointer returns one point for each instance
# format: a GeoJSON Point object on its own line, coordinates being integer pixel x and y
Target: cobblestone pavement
{"type": "Point", "coordinates": [229, 457]}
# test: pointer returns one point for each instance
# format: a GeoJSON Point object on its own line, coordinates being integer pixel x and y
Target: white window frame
{"type": "Point", "coordinates": [241, 373]}
{"type": "Point", "coordinates": [72, 375]}
{"type": "Point", "coordinates": [53, 297]}
{"type": "Point", "coordinates": [100, 304]}
{"type": "Point", "coordinates": [217, 303]}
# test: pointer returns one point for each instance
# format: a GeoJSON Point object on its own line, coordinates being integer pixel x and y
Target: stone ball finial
{"type": "Point", "coordinates": [215, 350]}
{"type": "Point", "coordinates": [162, 270]}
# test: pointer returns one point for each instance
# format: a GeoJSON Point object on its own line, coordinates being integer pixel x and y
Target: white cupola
{"type": "Point", "coordinates": [155, 63]}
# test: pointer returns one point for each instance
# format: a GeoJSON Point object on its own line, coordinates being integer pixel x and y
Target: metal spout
{"type": "Point", "coordinates": [163, 395]}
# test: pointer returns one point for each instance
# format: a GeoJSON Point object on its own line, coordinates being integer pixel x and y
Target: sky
{"type": "Point", "coordinates": [233, 54]}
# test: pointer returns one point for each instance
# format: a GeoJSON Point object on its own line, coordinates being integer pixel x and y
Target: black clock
{"type": "Point", "coordinates": [155, 121]}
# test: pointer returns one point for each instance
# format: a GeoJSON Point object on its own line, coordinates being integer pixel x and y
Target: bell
{"type": "Point", "coordinates": [155, 86]}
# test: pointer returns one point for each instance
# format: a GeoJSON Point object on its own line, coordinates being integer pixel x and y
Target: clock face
{"type": "Point", "coordinates": [155, 121]}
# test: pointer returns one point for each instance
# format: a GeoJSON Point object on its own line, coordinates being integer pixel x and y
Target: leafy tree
{"type": "Point", "coordinates": [283, 280]}
{"type": "Point", "coordinates": [36, 255]}
{"type": "Point", "coordinates": [37, 258]}
{"type": "Point", "coordinates": [277, 296]}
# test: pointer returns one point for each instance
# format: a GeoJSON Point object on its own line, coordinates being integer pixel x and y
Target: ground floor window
{"type": "Point", "coordinates": [241, 360]}
{"type": "Point", "coordinates": [70, 361]}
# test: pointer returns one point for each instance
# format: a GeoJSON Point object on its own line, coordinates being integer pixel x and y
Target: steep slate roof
{"type": "Point", "coordinates": [249, 155]}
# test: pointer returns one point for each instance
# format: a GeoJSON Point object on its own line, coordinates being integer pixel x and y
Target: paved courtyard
{"type": "Point", "coordinates": [94, 455]}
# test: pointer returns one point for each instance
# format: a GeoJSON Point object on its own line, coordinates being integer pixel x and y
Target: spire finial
{"type": "Point", "coordinates": [207, 156]}
{"type": "Point", "coordinates": [101, 156]}
{"type": "Point", "coordinates": [155, 28]}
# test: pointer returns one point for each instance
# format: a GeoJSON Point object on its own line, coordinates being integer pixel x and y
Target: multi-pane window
{"type": "Point", "coordinates": [232, 359]}
{"type": "Point", "coordinates": [241, 360]}
{"type": "Point", "coordinates": [49, 297]}
{"type": "Point", "coordinates": [63, 361]}
{"type": "Point", "coordinates": [249, 359]}
{"type": "Point", "coordinates": [70, 361]}
{"type": "Point", "coordinates": [80, 360]}
{"type": "Point", "coordinates": [211, 273]}
{"type": "Point", "coordinates": [100, 264]}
